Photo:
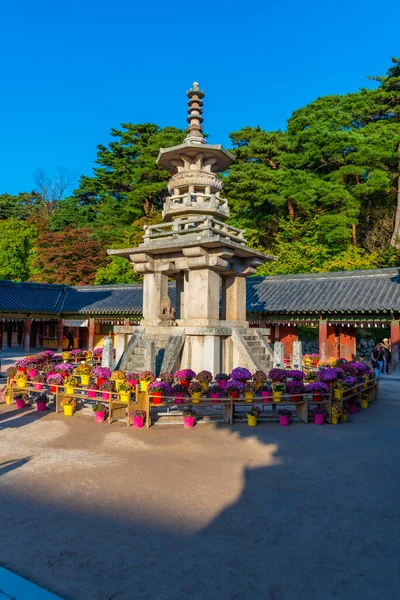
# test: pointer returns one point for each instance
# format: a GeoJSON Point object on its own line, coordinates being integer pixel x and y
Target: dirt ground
{"type": "Point", "coordinates": [99, 512]}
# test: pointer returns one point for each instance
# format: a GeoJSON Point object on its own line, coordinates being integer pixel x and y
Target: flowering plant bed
{"type": "Point", "coordinates": [295, 374]}
{"type": "Point", "coordinates": [240, 374]}
{"type": "Point", "coordinates": [278, 374]}
{"type": "Point", "coordinates": [167, 378]}
{"type": "Point", "coordinates": [101, 372]}
{"type": "Point", "coordinates": [160, 387]}
{"type": "Point", "coordinates": [204, 377]}
{"type": "Point", "coordinates": [185, 374]}
{"type": "Point", "coordinates": [146, 376]}
{"type": "Point", "coordinates": [259, 377]}
{"type": "Point", "coordinates": [349, 382]}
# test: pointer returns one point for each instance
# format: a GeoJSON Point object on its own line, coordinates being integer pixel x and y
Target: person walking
{"type": "Point", "coordinates": [70, 339]}
{"type": "Point", "coordinates": [377, 359]}
{"type": "Point", "coordinates": [387, 352]}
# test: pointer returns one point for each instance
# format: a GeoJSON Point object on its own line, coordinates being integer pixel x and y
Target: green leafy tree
{"type": "Point", "coordinates": [117, 270]}
{"type": "Point", "coordinates": [16, 238]}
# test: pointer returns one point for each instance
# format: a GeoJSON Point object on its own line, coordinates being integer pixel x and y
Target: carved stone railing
{"type": "Point", "coordinates": [204, 225]}
{"type": "Point", "coordinates": [197, 201]}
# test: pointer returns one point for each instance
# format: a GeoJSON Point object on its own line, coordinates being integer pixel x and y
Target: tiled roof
{"type": "Point", "coordinates": [30, 297]}
{"type": "Point", "coordinates": [371, 291]}
{"type": "Point", "coordinates": [375, 290]}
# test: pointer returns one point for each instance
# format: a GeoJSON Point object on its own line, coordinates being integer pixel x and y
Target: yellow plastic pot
{"type": "Point", "coordinates": [196, 397]}
{"type": "Point", "coordinates": [124, 396]}
{"type": "Point", "coordinates": [21, 383]}
{"type": "Point", "coordinates": [251, 420]}
{"type": "Point", "coordinates": [337, 394]}
{"type": "Point", "coordinates": [85, 379]}
{"type": "Point", "coordinates": [204, 385]}
{"type": "Point", "coordinates": [277, 396]}
{"type": "Point", "coordinates": [259, 384]}
{"type": "Point", "coordinates": [8, 399]}
{"type": "Point", "coordinates": [68, 411]}
{"type": "Point", "coordinates": [70, 391]}
{"type": "Point", "coordinates": [344, 417]}
{"type": "Point", "coordinates": [144, 385]}
{"type": "Point", "coordinates": [364, 403]}
{"type": "Point", "coordinates": [335, 420]}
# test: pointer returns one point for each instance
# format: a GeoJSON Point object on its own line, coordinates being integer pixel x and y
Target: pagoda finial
{"type": "Point", "coordinates": [195, 110]}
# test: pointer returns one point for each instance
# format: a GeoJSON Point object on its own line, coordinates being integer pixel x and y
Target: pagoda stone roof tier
{"type": "Point", "coordinates": [223, 158]}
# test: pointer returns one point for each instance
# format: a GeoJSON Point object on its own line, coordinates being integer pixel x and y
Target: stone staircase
{"type": "Point", "coordinates": [156, 352]}
{"type": "Point", "coordinates": [255, 352]}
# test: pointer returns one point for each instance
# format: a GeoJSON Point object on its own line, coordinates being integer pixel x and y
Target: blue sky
{"type": "Point", "coordinates": [71, 70]}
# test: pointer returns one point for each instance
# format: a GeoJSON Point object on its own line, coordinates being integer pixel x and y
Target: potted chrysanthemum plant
{"type": "Point", "coordinates": [159, 389]}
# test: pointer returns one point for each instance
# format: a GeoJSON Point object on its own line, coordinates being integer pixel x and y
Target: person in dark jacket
{"type": "Point", "coordinates": [387, 352]}
{"type": "Point", "coordinates": [378, 358]}
{"type": "Point", "coordinates": [70, 339]}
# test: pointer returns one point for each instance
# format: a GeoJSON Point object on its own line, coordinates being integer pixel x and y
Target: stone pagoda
{"type": "Point", "coordinates": [205, 327]}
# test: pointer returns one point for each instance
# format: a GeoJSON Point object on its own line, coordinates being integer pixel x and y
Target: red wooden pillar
{"type": "Point", "coordinates": [27, 335]}
{"type": "Point", "coordinates": [276, 333]}
{"type": "Point", "coordinates": [323, 337]}
{"type": "Point", "coordinates": [60, 335]}
{"type": "Point", "coordinates": [348, 348]}
{"type": "Point", "coordinates": [395, 341]}
{"type": "Point", "coordinates": [127, 322]}
{"type": "Point", "coordinates": [92, 324]}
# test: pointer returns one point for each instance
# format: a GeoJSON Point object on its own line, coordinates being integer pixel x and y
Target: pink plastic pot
{"type": "Point", "coordinates": [38, 386]}
{"type": "Point", "coordinates": [32, 373]}
{"type": "Point", "coordinates": [215, 397]}
{"type": "Point", "coordinates": [105, 395]}
{"type": "Point", "coordinates": [222, 384]}
{"type": "Point", "coordinates": [188, 422]}
{"type": "Point", "coordinates": [138, 422]}
{"type": "Point", "coordinates": [133, 383]}
{"type": "Point", "coordinates": [319, 419]}
{"type": "Point", "coordinates": [20, 403]}
{"type": "Point", "coordinates": [266, 396]}
{"type": "Point", "coordinates": [353, 409]}
{"type": "Point", "coordinates": [100, 416]}
{"type": "Point", "coordinates": [284, 421]}
{"type": "Point", "coordinates": [91, 394]}
{"type": "Point", "coordinates": [40, 406]}
{"type": "Point", "coordinates": [179, 397]}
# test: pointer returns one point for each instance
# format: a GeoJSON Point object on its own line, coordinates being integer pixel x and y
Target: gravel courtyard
{"type": "Point", "coordinates": [99, 512]}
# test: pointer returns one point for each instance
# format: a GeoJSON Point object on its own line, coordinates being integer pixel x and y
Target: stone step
{"type": "Point", "coordinates": [258, 351]}
{"type": "Point", "coordinates": [253, 343]}
{"type": "Point", "coordinates": [154, 337]}
{"type": "Point", "coordinates": [138, 350]}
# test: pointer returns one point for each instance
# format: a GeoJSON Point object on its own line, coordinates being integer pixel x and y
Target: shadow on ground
{"type": "Point", "coordinates": [318, 523]}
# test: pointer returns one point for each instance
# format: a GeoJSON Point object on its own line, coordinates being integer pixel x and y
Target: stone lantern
{"type": "Point", "coordinates": [207, 258]}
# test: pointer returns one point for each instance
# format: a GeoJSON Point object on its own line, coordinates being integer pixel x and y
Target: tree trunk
{"type": "Point", "coordinates": [354, 234]}
{"type": "Point", "coordinates": [290, 206]}
{"type": "Point", "coordinates": [395, 241]}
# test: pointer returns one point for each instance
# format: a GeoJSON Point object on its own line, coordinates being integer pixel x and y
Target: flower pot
{"type": "Point", "coordinates": [156, 398]}
{"type": "Point", "coordinates": [32, 373]}
{"type": "Point", "coordinates": [234, 395]}
{"type": "Point", "coordinates": [334, 420]}
{"type": "Point", "coordinates": [144, 385]}
{"type": "Point", "coordinates": [251, 420]}
{"type": "Point", "coordinates": [106, 395]}
{"type": "Point", "coordinates": [53, 389]}
{"type": "Point", "coordinates": [259, 384]}
{"type": "Point", "coordinates": [277, 396]}
{"type": "Point", "coordinates": [344, 417]}
{"type": "Point", "coordinates": [92, 394]}
{"type": "Point", "coordinates": [21, 370]}
{"type": "Point", "coordinates": [38, 386]}
{"type": "Point", "coordinates": [179, 396]}
{"type": "Point", "coordinates": [21, 383]}
{"type": "Point", "coordinates": [118, 383]}
{"type": "Point", "coordinates": [124, 396]}
{"type": "Point", "coordinates": [283, 420]}
{"type": "Point", "coordinates": [138, 422]}
{"type": "Point", "coordinates": [337, 394]}
{"type": "Point", "coordinates": [249, 396]}
{"type": "Point", "coordinates": [188, 422]}
{"type": "Point", "coordinates": [85, 379]}
{"type": "Point", "coordinates": [41, 406]}
{"type": "Point", "coordinates": [222, 384]}
{"type": "Point", "coordinates": [266, 396]}
{"type": "Point", "coordinates": [204, 385]}
{"type": "Point", "coordinates": [69, 390]}
{"type": "Point", "coordinates": [196, 397]}
{"type": "Point", "coordinates": [133, 383]}
{"type": "Point", "coordinates": [215, 397]}
{"type": "Point", "coordinates": [99, 381]}
{"type": "Point", "coordinates": [295, 398]}
{"type": "Point", "coordinates": [8, 399]}
{"type": "Point", "coordinates": [185, 382]}
{"type": "Point", "coordinates": [99, 416]}
{"type": "Point", "coordinates": [364, 403]}
{"type": "Point", "coordinates": [68, 411]}
{"type": "Point", "coordinates": [353, 409]}
{"type": "Point", "coordinates": [20, 403]}
{"type": "Point", "coordinates": [316, 397]}
{"type": "Point", "coordinates": [319, 419]}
